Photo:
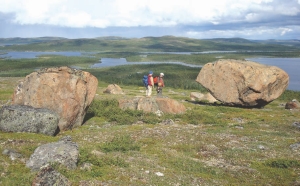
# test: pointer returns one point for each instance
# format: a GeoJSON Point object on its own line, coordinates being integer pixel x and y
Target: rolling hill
{"type": "Point", "coordinates": [145, 44]}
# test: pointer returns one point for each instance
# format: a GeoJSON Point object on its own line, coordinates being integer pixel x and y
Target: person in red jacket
{"type": "Point", "coordinates": [160, 84]}
{"type": "Point", "coordinates": [150, 84]}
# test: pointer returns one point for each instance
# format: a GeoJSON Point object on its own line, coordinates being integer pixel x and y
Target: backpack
{"type": "Point", "coordinates": [155, 80]}
{"type": "Point", "coordinates": [145, 80]}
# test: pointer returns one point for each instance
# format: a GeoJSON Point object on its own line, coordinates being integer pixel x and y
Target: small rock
{"type": "Point", "coordinates": [12, 154]}
{"type": "Point", "coordinates": [113, 89]}
{"type": "Point", "coordinates": [159, 113]}
{"type": "Point", "coordinates": [294, 104]}
{"type": "Point", "coordinates": [86, 166]}
{"type": "Point", "coordinates": [48, 177]}
{"type": "Point", "coordinates": [64, 152]}
{"type": "Point", "coordinates": [295, 146]}
{"type": "Point", "coordinates": [261, 147]}
{"type": "Point", "coordinates": [159, 174]}
{"type": "Point", "coordinates": [168, 122]}
{"type": "Point", "coordinates": [296, 124]}
{"type": "Point", "coordinates": [239, 120]}
{"type": "Point", "coordinates": [239, 127]}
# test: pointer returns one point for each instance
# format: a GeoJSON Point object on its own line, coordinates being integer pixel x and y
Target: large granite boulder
{"type": "Point", "coordinates": [66, 91]}
{"type": "Point", "coordinates": [64, 152]}
{"type": "Point", "coordinates": [243, 83]}
{"type": "Point", "coordinates": [113, 89]}
{"type": "Point", "coordinates": [153, 104]}
{"type": "Point", "coordinates": [22, 118]}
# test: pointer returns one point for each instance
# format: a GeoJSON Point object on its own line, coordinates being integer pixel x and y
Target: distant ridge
{"type": "Point", "coordinates": [146, 44]}
{"type": "Point", "coordinates": [24, 41]}
{"type": "Point", "coordinates": [111, 38]}
{"type": "Point", "coordinates": [230, 40]}
{"type": "Point", "coordinates": [290, 42]}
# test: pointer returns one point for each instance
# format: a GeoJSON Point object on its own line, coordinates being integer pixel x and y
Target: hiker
{"type": "Point", "coordinates": [160, 84]}
{"type": "Point", "coordinates": [150, 84]}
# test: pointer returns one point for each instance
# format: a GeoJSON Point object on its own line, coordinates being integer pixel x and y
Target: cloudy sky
{"type": "Point", "coordinates": [250, 19]}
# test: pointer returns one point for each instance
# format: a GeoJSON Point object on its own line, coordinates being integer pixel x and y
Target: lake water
{"type": "Point", "coordinates": [110, 62]}
{"type": "Point", "coordinates": [289, 65]}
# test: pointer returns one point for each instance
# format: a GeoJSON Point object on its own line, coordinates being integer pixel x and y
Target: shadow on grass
{"type": "Point", "coordinates": [223, 105]}
{"type": "Point", "coordinates": [87, 117]}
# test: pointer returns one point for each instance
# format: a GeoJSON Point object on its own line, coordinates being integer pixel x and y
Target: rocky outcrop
{"type": "Point", "coordinates": [21, 118]}
{"type": "Point", "coordinates": [197, 96]}
{"type": "Point", "coordinates": [47, 176]}
{"type": "Point", "coordinates": [64, 152]}
{"type": "Point", "coordinates": [294, 104]}
{"type": "Point", "coordinates": [153, 104]}
{"type": "Point", "coordinates": [243, 83]}
{"type": "Point", "coordinates": [113, 89]}
{"type": "Point", "coordinates": [66, 91]}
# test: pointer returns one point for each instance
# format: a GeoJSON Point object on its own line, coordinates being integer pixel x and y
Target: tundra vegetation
{"type": "Point", "coordinates": [210, 144]}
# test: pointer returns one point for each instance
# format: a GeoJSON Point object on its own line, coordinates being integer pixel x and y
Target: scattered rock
{"type": "Point", "coordinates": [239, 127]}
{"type": "Point", "coordinates": [47, 176]}
{"type": "Point", "coordinates": [64, 152]}
{"type": "Point", "coordinates": [243, 83]}
{"type": "Point", "coordinates": [168, 122]}
{"type": "Point", "coordinates": [294, 104]}
{"type": "Point", "coordinates": [66, 91]}
{"type": "Point", "coordinates": [86, 166]}
{"type": "Point", "coordinates": [152, 104]}
{"type": "Point", "coordinates": [239, 120]}
{"type": "Point", "coordinates": [22, 118]}
{"type": "Point", "coordinates": [197, 96]}
{"type": "Point", "coordinates": [295, 146]}
{"type": "Point", "coordinates": [94, 183]}
{"type": "Point", "coordinates": [159, 113]}
{"type": "Point", "coordinates": [296, 124]}
{"type": "Point", "coordinates": [113, 89]}
{"type": "Point", "coordinates": [261, 147]}
{"type": "Point", "coordinates": [13, 154]}
{"type": "Point", "coordinates": [159, 174]}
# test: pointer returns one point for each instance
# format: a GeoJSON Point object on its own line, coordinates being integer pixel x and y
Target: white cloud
{"type": "Point", "coordinates": [254, 33]}
{"type": "Point", "coordinates": [285, 30]}
{"type": "Point", "coordinates": [107, 13]}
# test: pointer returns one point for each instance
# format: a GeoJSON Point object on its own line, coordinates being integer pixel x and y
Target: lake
{"type": "Point", "coordinates": [289, 65]}
{"type": "Point", "coordinates": [111, 62]}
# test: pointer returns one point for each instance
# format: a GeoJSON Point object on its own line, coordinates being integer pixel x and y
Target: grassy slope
{"type": "Point", "coordinates": [209, 145]}
{"type": "Point", "coordinates": [149, 44]}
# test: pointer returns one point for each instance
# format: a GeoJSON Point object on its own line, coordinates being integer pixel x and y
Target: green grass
{"type": "Point", "coordinates": [210, 144]}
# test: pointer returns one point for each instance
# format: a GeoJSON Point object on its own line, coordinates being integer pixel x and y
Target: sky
{"type": "Point", "coordinates": [249, 19]}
